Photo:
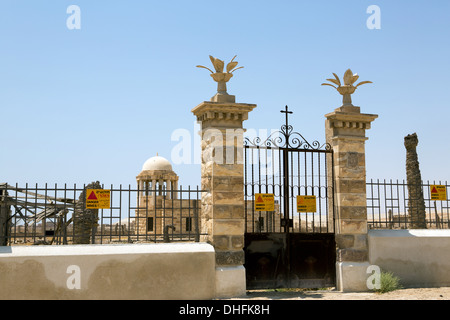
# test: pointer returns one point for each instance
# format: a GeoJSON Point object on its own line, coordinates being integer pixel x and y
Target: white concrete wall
{"type": "Point", "coordinates": [420, 258]}
{"type": "Point", "coordinates": [138, 271]}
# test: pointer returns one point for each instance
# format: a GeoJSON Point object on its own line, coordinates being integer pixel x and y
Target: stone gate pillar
{"type": "Point", "coordinates": [222, 213]}
{"type": "Point", "coordinates": [345, 130]}
{"type": "Point", "coordinates": [222, 203]}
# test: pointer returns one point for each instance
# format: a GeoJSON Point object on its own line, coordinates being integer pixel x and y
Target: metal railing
{"type": "Point", "coordinates": [389, 206]}
{"type": "Point", "coordinates": [55, 215]}
{"type": "Point", "coordinates": [58, 215]}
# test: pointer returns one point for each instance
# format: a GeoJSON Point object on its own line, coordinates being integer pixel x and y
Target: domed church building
{"type": "Point", "coordinates": [163, 209]}
{"type": "Point", "coordinates": [157, 175]}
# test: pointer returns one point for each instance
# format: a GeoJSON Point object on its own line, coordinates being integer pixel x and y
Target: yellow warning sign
{"type": "Point", "coordinates": [98, 199]}
{"type": "Point", "coordinates": [306, 203]}
{"type": "Point", "coordinates": [264, 202]}
{"type": "Point", "coordinates": [438, 192]}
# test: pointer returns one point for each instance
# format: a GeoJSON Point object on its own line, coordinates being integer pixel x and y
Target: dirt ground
{"type": "Point", "coordinates": [442, 293]}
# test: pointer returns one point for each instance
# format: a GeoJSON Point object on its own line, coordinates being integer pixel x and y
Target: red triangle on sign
{"type": "Point", "coordinates": [259, 200]}
{"type": "Point", "coordinates": [92, 196]}
{"type": "Point", "coordinates": [434, 190]}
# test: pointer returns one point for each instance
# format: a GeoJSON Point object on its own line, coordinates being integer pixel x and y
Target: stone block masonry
{"type": "Point", "coordinates": [222, 208]}
{"type": "Point", "coordinates": [345, 131]}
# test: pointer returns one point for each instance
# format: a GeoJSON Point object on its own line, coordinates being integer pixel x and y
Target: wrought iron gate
{"type": "Point", "coordinates": [292, 245]}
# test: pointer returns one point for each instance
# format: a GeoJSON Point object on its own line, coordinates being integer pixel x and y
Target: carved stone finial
{"type": "Point", "coordinates": [348, 88]}
{"type": "Point", "coordinates": [222, 78]}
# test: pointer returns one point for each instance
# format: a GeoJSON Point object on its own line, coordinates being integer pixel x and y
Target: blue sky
{"type": "Point", "coordinates": [95, 103]}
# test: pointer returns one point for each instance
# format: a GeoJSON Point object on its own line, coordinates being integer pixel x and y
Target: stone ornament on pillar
{"type": "Point", "coordinates": [222, 78]}
{"type": "Point", "coordinates": [348, 88]}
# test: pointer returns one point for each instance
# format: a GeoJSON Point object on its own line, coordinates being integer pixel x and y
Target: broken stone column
{"type": "Point", "coordinates": [345, 130]}
{"type": "Point", "coordinates": [85, 221]}
{"type": "Point", "coordinates": [222, 179]}
{"type": "Point", "coordinates": [416, 203]}
{"type": "Point", "coordinates": [5, 217]}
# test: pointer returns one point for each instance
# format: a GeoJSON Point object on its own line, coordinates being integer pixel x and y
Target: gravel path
{"type": "Point", "coordinates": [442, 293]}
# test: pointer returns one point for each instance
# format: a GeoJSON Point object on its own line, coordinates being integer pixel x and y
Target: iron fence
{"type": "Point", "coordinates": [389, 206]}
{"type": "Point", "coordinates": [307, 175]}
{"type": "Point", "coordinates": [58, 215]}
{"type": "Point", "coordinates": [290, 168]}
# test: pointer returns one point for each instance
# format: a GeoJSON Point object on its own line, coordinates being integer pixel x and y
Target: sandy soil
{"type": "Point", "coordinates": [442, 293]}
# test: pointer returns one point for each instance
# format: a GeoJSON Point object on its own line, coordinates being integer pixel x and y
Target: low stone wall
{"type": "Point", "coordinates": [174, 271]}
{"type": "Point", "coordinates": [420, 258]}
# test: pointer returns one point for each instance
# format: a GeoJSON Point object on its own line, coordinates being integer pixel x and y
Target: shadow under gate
{"type": "Point", "coordinates": [297, 260]}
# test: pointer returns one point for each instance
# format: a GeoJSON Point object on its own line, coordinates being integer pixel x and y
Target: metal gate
{"type": "Point", "coordinates": [291, 243]}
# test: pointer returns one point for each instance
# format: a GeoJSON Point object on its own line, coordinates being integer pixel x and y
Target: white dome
{"type": "Point", "coordinates": [157, 163]}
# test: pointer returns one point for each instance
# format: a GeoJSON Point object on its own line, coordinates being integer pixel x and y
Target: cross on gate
{"type": "Point", "coordinates": [287, 112]}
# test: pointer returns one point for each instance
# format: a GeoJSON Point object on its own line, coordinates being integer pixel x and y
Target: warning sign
{"type": "Point", "coordinates": [306, 203]}
{"type": "Point", "coordinates": [264, 202]}
{"type": "Point", "coordinates": [438, 192]}
{"type": "Point", "coordinates": [98, 199]}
